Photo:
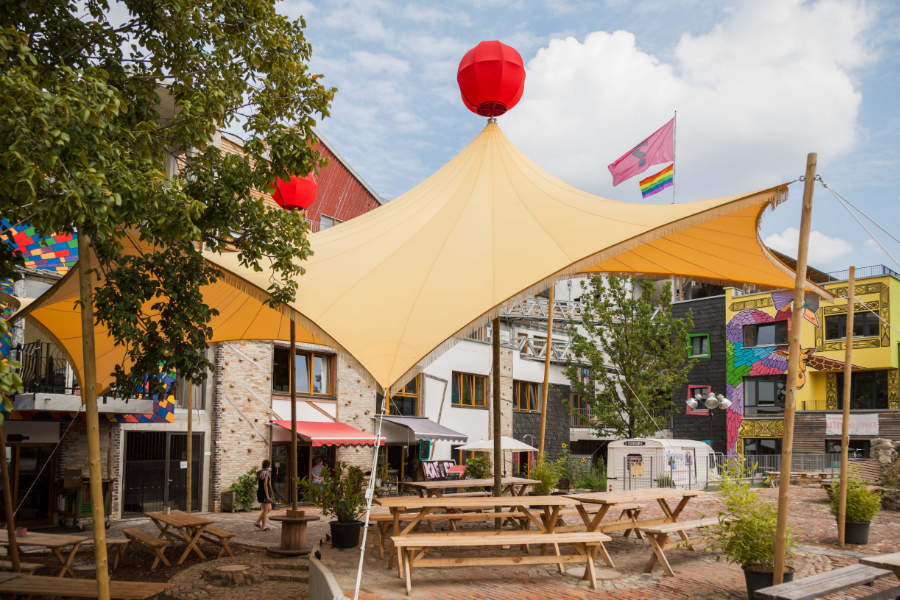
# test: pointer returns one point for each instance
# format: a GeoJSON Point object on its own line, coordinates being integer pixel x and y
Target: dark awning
{"type": "Point", "coordinates": [424, 428]}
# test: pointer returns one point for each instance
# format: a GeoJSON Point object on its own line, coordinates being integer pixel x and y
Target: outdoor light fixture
{"type": "Point", "coordinates": [711, 402]}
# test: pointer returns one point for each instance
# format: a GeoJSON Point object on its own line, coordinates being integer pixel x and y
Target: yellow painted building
{"type": "Point", "coordinates": [756, 331]}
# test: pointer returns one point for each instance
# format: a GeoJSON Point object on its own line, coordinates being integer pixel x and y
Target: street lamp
{"type": "Point", "coordinates": [711, 402]}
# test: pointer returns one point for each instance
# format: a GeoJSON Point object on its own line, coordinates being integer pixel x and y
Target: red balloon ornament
{"type": "Point", "coordinates": [491, 78]}
{"type": "Point", "coordinates": [296, 194]}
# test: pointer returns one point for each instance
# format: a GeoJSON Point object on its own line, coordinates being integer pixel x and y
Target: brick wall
{"type": "Point", "coordinates": [557, 431]}
{"type": "Point", "coordinates": [73, 454]}
{"type": "Point", "coordinates": [242, 409]}
{"type": "Point", "coordinates": [356, 391]}
{"type": "Point", "coordinates": [709, 318]}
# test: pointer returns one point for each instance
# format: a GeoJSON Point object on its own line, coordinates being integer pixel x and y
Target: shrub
{"type": "Point", "coordinates": [478, 467]}
{"type": "Point", "coordinates": [862, 503]}
{"type": "Point", "coordinates": [245, 490]}
{"type": "Point", "coordinates": [592, 477]}
{"type": "Point", "coordinates": [547, 472]}
{"type": "Point", "coordinates": [341, 496]}
{"type": "Point", "coordinates": [746, 530]}
{"type": "Point", "coordinates": [665, 481]}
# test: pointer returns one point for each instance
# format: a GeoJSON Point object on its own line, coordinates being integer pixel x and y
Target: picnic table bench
{"type": "Point", "coordinates": [658, 536]}
{"type": "Point", "coordinates": [800, 477]}
{"type": "Point", "coordinates": [884, 561]}
{"type": "Point", "coordinates": [222, 537]}
{"type": "Point", "coordinates": [17, 584]}
{"type": "Point", "coordinates": [55, 542]}
{"type": "Point", "coordinates": [821, 584]}
{"type": "Point", "coordinates": [24, 567]}
{"type": "Point", "coordinates": [141, 539]}
{"type": "Point", "coordinates": [510, 486]}
{"type": "Point", "coordinates": [414, 548]}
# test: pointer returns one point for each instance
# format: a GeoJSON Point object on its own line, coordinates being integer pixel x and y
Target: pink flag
{"type": "Point", "coordinates": [658, 148]}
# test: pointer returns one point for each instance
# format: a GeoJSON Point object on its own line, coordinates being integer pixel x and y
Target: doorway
{"type": "Point", "coordinates": [156, 471]}
{"type": "Point", "coordinates": [32, 481]}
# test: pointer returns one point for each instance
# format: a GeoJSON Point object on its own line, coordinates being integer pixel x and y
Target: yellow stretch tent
{"type": "Point", "coordinates": [392, 286]}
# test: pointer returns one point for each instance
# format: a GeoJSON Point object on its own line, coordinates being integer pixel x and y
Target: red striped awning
{"type": "Point", "coordinates": [330, 434]}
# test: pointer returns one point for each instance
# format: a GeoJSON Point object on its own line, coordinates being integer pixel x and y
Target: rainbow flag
{"type": "Point", "coordinates": [659, 182]}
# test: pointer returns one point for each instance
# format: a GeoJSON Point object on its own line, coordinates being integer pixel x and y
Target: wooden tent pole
{"type": "Point", "coordinates": [89, 397]}
{"type": "Point", "coordinates": [545, 390]}
{"type": "Point", "coordinates": [787, 443]}
{"type": "Point", "coordinates": [292, 467]}
{"type": "Point", "coordinates": [495, 409]}
{"type": "Point", "coordinates": [13, 549]}
{"type": "Point", "coordinates": [845, 421]}
{"type": "Point", "coordinates": [188, 499]}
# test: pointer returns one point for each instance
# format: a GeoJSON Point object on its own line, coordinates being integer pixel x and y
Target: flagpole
{"type": "Point", "coordinates": [674, 153]}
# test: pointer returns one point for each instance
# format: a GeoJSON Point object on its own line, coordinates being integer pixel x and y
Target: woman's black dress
{"type": "Point", "coordinates": [261, 478]}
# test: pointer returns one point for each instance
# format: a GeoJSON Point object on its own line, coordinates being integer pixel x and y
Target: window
{"type": "Point", "coordinates": [327, 222]}
{"type": "Point", "coordinates": [582, 413]}
{"type": "Point", "coordinates": [764, 395]}
{"type": "Point", "coordinates": [469, 390]}
{"type": "Point", "coordinates": [527, 395]}
{"type": "Point", "coordinates": [692, 391]}
{"type": "Point", "coordinates": [766, 446]}
{"type": "Point", "coordinates": [865, 324]}
{"type": "Point", "coordinates": [462, 456]}
{"type": "Point", "coordinates": [315, 372]}
{"type": "Point", "coordinates": [766, 334]}
{"type": "Point", "coordinates": [699, 343]}
{"type": "Point", "coordinates": [183, 388]}
{"type": "Point", "coordinates": [855, 448]}
{"type": "Point", "coordinates": [406, 401]}
{"type": "Point", "coordinates": [868, 389]}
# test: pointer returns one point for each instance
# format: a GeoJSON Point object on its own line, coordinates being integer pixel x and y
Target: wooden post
{"type": "Point", "coordinates": [545, 390]}
{"type": "Point", "coordinates": [292, 467]}
{"type": "Point", "coordinates": [787, 443]}
{"type": "Point", "coordinates": [845, 422]}
{"type": "Point", "coordinates": [13, 549]}
{"type": "Point", "coordinates": [495, 409]}
{"type": "Point", "coordinates": [89, 396]}
{"type": "Point", "coordinates": [188, 500]}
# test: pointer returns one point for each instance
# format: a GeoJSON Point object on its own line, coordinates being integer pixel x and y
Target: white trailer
{"type": "Point", "coordinates": [649, 462]}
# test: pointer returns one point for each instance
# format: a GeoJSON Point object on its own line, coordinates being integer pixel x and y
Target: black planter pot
{"type": "Point", "coordinates": [757, 580]}
{"type": "Point", "coordinates": [345, 534]}
{"type": "Point", "coordinates": [856, 533]}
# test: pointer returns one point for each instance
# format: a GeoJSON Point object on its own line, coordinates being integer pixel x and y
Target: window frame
{"type": "Point", "coordinates": [756, 405]}
{"type": "Point", "coordinates": [692, 389]}
{"type": "Point", "coordinates": [310, 356]}
{"type": "Point", "coordinates": [334, 221]}
{"type": "Point", "coordinates": [782, 323]}
{"type": "Point", "coordinates": [457, 386]}
{"type": "Point", "coordinates": [533, 388]}
{"type": "Point", "coordinates": [691, 337]}
{"type": "Point", "coordinates": [855, 376]}
{"type": "Point", "coordinates": [404, 393]}
{"type": "Point", "coordinates": [857, 321]}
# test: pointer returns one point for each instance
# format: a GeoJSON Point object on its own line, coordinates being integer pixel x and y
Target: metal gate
{"type": "Point", "coordinates": [156, 471]}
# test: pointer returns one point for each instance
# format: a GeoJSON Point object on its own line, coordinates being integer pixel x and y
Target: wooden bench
{"type": "Point", "coordinates": [658, 536]}
{"type": "Point", "coordinates": [221, 537]}
{"type": "Point", "coordinates": [385, 522]}
{"type": "Point", "coordinates": [412, 548]}
{"type": "Point", "coordinates": [140, 538]}
{"type": "Point", "coordinates": [629, 510]}
{"type": "Point", "coordinates": [821, 584]}
{"type": "Point", "coordinates": [15, 584]}
{"type": "Point", "coordinates": [24, 567]}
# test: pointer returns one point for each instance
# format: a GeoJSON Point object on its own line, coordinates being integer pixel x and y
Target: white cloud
{"type": "Point", "coordinates": [381, 63]}
{"type": "Point", "coordinates": [823, 249]}
{"type": "Point", "coordinates": [773, 81]}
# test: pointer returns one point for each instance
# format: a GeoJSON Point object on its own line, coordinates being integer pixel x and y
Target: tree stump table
{"type": "Point", "coordinates": [293, 533]}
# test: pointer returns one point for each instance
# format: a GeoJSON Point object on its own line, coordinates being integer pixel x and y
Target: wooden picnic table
{"type": "Point", "coordinates": [19, 584]}
{"type": "Point", "coordinates": [884, 561]}
{"type": "Point", "coordinates": [55, 542]}
{"type": "Point", "coordinates": [802, 477]}
{"type": "Point", "coordinates": [189, 528]}
{"type": "Point", "coordinates": [546, 520]}
{"type": "Point", "coordinates": [511, 486]}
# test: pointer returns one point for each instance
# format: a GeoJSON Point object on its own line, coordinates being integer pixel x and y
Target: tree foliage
{"type": "Point", "coordinates": [100, 102]}
{"type": "Point", "coordinates": [10, 382]}
{"type": "Point", "coordinates": [629, 355]}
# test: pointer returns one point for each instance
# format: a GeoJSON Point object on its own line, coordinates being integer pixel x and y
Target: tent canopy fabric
{"type": "Point", "coordinates": [329, 433]}
{"type": "Point", "coordinates": [391, 287]}
{"type": "Point", "coordinates": [423, 428]}
{"type": "Point", "coordinates": [507, 444]}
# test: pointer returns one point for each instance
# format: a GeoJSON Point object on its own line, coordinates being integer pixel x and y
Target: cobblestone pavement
{"type": "Point", "coordinates": [700, 575]}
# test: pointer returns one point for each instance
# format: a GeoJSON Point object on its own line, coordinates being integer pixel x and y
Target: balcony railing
{"type": "Point", "coordinates": [863, 273]}
{"type": "Point", "coordinates": [44, 371]}
{"type": "Point", "coordinates": [583, 417]}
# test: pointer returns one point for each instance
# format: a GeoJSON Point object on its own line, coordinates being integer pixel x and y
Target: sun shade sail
{"type": "Point", "coordinates": [423, 428]}
{"type": "Point", "coordinates": [329, 434]}
{"type": "Point", "coordinates": [506, 444]}
{"type": "Point", "coordinates": [392, 286]}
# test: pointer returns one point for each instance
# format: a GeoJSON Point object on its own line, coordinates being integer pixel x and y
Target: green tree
{"type": "Point", "coordinates": [629, 355]}
{"type": "Point", "coordinates": [99, 104]}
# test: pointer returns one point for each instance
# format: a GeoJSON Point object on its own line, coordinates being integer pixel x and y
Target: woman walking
{"type": "Point", "coordinates": [264, 495]}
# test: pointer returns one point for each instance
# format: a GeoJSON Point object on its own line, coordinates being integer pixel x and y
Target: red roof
{"type": "Point", "coordinates": [330, 434]}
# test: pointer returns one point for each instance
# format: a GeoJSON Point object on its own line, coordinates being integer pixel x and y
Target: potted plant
{"type": "Point", "coordinates": [863, 504]}
{"type": "Point", "coordinates": [547, 473]}
{"type": "Point", "coordinates": [746, 530]}
{"type": "Point", "coordinates": [342, 496]}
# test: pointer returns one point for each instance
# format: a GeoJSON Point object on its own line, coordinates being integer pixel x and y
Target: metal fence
{"type": "Point", "coordinates": [759, 464]}
{"type": "Point", "coordinates": [44, 370]}
{"type": "Point", "coordinates": [645, 472]}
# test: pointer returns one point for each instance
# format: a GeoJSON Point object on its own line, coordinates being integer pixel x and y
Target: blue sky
{"type": "Point", "coordinates": [757, 85]}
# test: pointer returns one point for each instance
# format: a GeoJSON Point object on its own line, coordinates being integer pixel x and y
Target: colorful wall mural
{"type": "Point", "coordinates": [821, 359]}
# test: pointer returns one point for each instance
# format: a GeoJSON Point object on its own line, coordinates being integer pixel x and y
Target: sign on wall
{"type": "Point", "coordinates": [859, 424]}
